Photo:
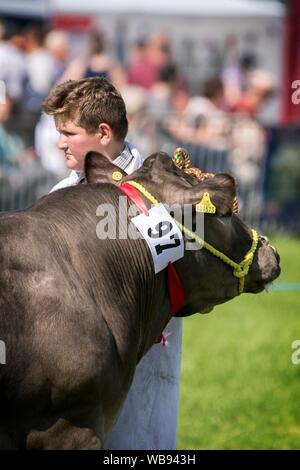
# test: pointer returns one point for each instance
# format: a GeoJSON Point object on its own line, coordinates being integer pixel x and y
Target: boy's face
{"type": "Point", "coordinates": [75, 143]}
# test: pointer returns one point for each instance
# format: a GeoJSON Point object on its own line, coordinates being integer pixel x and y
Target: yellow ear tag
{"type": "Point", "coordinates": [117, 176]}
{"type": "Point", "coordinates": [205, 205]}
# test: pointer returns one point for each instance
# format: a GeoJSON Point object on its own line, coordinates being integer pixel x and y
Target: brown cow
{"type": "Point", "coordinates": [77, 313]}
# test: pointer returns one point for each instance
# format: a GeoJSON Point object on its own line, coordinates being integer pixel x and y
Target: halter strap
{"type": "Point", "coordinates": [175, 288]}
{"type": "Point", "coordinates": [240, 270]}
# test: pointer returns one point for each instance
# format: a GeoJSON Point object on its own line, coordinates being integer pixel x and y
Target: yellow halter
{"type": "Point", "coordinates": [240, 270]}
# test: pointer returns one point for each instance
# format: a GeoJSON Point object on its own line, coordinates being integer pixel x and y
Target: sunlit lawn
{"type": "Point", "coordinates": [239, 388]}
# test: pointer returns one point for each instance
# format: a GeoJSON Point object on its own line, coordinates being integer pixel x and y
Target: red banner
{"type": "Point", "coordinates": [73, 22]}
{"type": "Point", "coordinates": [291, 64]}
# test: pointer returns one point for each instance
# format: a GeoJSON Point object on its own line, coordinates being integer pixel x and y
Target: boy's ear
{"type": "Point", "coordinates": [98, 169]}
{"type": "Point", "coordinates": [105, 133]}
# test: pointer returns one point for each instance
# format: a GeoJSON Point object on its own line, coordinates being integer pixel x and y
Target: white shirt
{"type": "Point", "coordinates": [12, 69]}
{"type": "Point", "coordinates": [40, 69]}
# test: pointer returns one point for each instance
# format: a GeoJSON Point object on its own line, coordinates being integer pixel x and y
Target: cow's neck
{"type": "Point", "coordinates": [140, 308]}
{"type": "Point", "coordinates": [144, 310]}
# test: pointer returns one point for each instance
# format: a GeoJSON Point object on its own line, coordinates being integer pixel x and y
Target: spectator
{"type": "Point", "coordinates": [12, 61]}
{"type": "Point", "coordinates": [148, 59]}
{"type": "Point", "coordinates": [205, 113]}
{"type": "Point", "coordinates": [235, 78]}
{"type": "Point", "coordinates": [58, 45]}
{"type": "Point", "coordinates": [259, 88]}
{"type": "Point", "coordinates": [39, 68]}
{"type": "Point", "coordinates": [97, 63]}
{"type": "Point", "coordinates": [163, 89]}
{"type": "Point", "coordinates": [40, 71]}
{"type": "Point", "coordinates": [141, 129]}
{"type": "Point", "coordinates": [11, 145]}
{"type": "Point", "coordinates": [46, 140]}
{"type": "Point", "coordinates": [203, 120]}
{"type": "Point", "coordinates": [248, 138]}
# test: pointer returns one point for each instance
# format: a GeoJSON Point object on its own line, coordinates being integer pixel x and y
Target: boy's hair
{"type": "Point", "coordinates": [88, 103]}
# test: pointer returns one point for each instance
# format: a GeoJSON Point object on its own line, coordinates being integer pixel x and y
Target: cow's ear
{"type": "Point", "coordinates": [221, 190]}
{"type": "Point", "coordinates": [98, 169]}
{"type": "Point", "coordinates": [225, 192]}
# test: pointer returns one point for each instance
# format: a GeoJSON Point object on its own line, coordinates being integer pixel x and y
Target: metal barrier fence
{"type": "Point", "coordinates": [20, 188]}
{"type": "Point", "coordinates": [251, 197]}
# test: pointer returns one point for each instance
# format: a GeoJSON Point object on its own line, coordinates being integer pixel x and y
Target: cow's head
{"type": "Point", "coordinates": [207, 280]}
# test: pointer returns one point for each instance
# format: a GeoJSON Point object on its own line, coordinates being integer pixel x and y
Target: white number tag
{"type": "Point", "coordinates": [162, 235]}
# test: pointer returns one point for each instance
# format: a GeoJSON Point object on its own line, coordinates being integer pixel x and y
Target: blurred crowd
{"type": "Point", "coordinates": [221, 114]}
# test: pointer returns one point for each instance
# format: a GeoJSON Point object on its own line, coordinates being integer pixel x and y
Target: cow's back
{"type": "Point", "coordinates": [53, 331]}
{"type": "Point", "coordinates": [73, 335]}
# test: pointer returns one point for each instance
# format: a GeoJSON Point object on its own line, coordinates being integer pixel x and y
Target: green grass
{"type": "Point", "coordinates": [239, 388]}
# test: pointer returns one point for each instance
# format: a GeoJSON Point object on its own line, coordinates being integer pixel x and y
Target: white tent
{"type": "Point", "coordinates": [30, 8]}
{"type": "Point", "coordinates": [216, 8]}
{"type": "Point", "coordinates": [204, 8]}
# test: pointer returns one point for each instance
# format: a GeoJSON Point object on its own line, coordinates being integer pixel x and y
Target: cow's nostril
{"type": "Point", "coordinates": [264, 239]}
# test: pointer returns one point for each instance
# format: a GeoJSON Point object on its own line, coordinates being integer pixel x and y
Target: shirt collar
{"type": "Point", "coordinates": [124, 159]}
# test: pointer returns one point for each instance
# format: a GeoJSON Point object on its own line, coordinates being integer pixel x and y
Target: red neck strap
{"type": "Point", "coordinates": [176, 292]}
{"type": "Point", "coordinates": [133, 194]}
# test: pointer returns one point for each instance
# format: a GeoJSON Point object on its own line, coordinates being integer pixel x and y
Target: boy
{"type": "Point", "coordinates": [90, 114]}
